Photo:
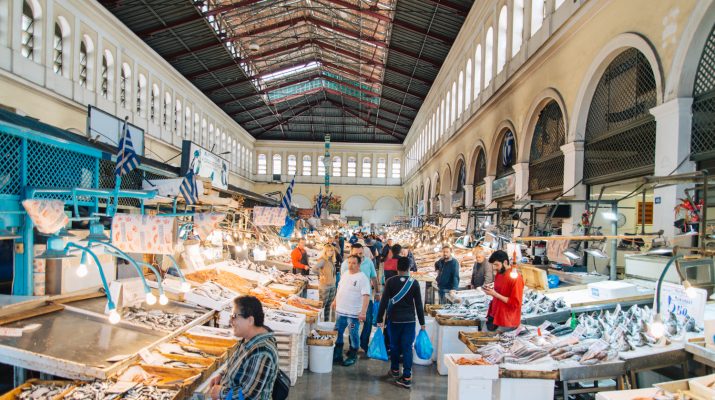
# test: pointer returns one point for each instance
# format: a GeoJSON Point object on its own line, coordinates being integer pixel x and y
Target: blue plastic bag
{"type": "Point", "coordinates": [376, 350]}
{"type": "Point", "coordinates": [423, 346]}
{"type": "Point", "coordinates": [553, 281]}
{"type": "Point", "coordinates": [375, 307]}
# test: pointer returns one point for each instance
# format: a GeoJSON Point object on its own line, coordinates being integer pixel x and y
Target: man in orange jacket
{"type": "Point", "coordinates": [299, 259]}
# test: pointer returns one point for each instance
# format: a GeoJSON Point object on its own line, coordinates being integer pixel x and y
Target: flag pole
{"type": "Point", "coordinates": [118, 178]}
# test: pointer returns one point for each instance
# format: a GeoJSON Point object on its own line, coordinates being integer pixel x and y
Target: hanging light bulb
{"type": "Point", "coordinates": [114, 317]}
{"type": "Point", "coordinates": [514, 273]}
{"type": "Point", "coordinates": [163, 300]}
{"type": "Point", "coordinates": [690, 290]}
{"type": "Point", "coordinates": [150, 299]}
{"type": "Point", "coordinates": [470, 254]}
{"type": "Point", "coordinates": [185, 287]}
{"type": "Point", "coordinates": [82, 269]}
{"type": "Point", "coordinates": [657, 329]}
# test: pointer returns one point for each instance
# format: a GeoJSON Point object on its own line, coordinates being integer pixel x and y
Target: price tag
{"type": "Point", "coordinates": [578, 331]}
{"type": "Point", "coordinates": [11, 332]}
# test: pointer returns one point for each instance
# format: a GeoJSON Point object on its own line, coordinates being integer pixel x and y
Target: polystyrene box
{"type": "Point", "coordinates": [469, 389]}
{"type": "Point", "coordinates": [510, 389]}
{"type": "Point", "coordinates": [465, 372]}
{"type": "Point", "coordinates": [703, 386]}
{"type": "Point", "coordinates": [612, 289]}
{"type": "Point", "coordinates": [448, 343]}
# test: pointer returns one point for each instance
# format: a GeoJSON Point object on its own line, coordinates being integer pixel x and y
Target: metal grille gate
{"type": "Point", "coordinates": [620, 131]}
{"type": "Point", "coordinates": [503, 170]}
{"type": "Point", "coordinates": [702, 144]}
{"type": "Point", "coordinates": [546, 161]}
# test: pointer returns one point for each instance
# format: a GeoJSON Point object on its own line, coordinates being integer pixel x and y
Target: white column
{"type": "Point", "coordinates": [468, 196]}
{"type": "Point", "coordinates": [672, 145]}
{"type": "Point", "coordinates": [573, 172]}
{"type": "Point", "coordinates": [521, 180]}
{"type": "Point", "coordinates": [447, 202]}
{"type": "Point", "coordinates": [488, 180]}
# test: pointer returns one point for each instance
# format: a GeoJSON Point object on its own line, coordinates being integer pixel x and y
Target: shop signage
{"type": "Point", "coordinates": [107, 128]}
{"type": "Point", "coordinates": [503, 186]}
{"type": "Point", "coordinates": [205, 164]}
{"type": "Point", "coordinates": [480, 194]}
{"type": "Point", "coordinates": [673, 299]}
{"type": "Point", "coordinates": [269, 216]}
{"type": "Point", "coordinates": [305, 213]}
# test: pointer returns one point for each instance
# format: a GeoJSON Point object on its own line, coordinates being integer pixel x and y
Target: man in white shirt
{"type": "Point", "coordinates": [350, 304]}
{"type": "Point", "coordinates": [368, 268]}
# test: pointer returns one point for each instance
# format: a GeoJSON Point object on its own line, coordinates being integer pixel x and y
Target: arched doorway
{"type": "Point", "coordinates": [546, 160]}
{"type": "Point", "coordinates": [480, 172]}
{"type": "Point", "coordinates": [702, 143]}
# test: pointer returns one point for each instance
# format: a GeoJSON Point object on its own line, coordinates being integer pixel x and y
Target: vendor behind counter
{"type": "Point", "coordinates": [504, 312]}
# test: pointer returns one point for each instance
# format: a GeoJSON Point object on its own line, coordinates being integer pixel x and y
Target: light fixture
{"type": "Point", "coordinates": [150, 298]}
{"type": "Point", "coordinates": [610, 216]}
{"type": "Point", "coordinates": [82, 269]}
{"type": "Point", "coordinates": [7, 233]}
{"type": "Point", "coordinates": [596, 250]}
{"type": "Point", "coordinates": [514, 273]}
{"type": "Point", "coordinates": [163, 300]}
{"type": "Point", "coordinates": [657, 329]}
{"type": "Point", "coordinates": [690, 290]}
{"type": "Point", "coordinates": [96, 232]}
{"type": "Point", "coordinates": [120, 254]}
{"type": "Point", "coordinates": [114, 317]}
{"type": "Point", "coordinates": [659, 246]}
{"type": "Point", "coordinates": [185, 287]}
{"type": "Point", "coordinates": [573, 252]}
{"type": "Point", "coordinates": [56, 249]}
{"type": "Point", "coordinates": [690, 232]}
{"type": "Point", "coordinates": [64, 233]}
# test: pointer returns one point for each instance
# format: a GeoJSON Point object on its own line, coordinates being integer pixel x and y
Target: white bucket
{"type": "Point", "coordinates": [321, 359]}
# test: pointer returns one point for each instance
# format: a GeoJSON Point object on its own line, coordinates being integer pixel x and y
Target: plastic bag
{"type": "Point", "coordinates": [375, 307]}
{"type": "Point", "coordinates": [423, 346]}
{"type": "Point", "coordinates": [376, 350]}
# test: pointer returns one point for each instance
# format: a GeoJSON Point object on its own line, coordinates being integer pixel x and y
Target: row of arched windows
{"type": "Point", "coordinates": [134, 93]}
{"type": "Point", "coordinates": [292, 166]}
{"type": "Point", "coordinates": [490, 58]}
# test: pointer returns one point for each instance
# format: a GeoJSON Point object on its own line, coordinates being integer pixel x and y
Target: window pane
{"type": "Point", "coordinates": [366, 167]}
{"type": "Point", "coordinates": [352, 167]}
{"type": "Point", "coordinates": [337, 166]}
{"type": "Point", "coordinates": [277, 164]}
{"type": "Point", "coordinates": [262, 164]}
{"type": "Point", "coordinates": [292, 164]}
{"type": "Point", "coordinates": [307, 166]}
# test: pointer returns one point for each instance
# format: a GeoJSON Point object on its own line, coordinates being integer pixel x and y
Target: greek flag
{"type": "Point", "coordinates": [318, 204]}
{"type": "Point", "coordinates": [288, 196]}
{"type": "Point", "coordinates": [127, 158]}
{"type": "Point", "coordinates": [189, 189]}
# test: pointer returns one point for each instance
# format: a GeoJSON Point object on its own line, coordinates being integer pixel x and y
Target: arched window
{"type": "Point", "coordinates": [197, 137]}
{"type": "Point", "coordinates": [153, 107]}
{"type": "Point", "coordinates": [460, 94]}
{"type": "Point", "coordinates": [381, 168]}
{"type": "Point", "coordinates": [307, 166]}
{"type": "Point", "coordinates": [83, 64]}
{"type": "Point", "coordinates": [337, 166]}
{"type": "Point", "coordinates": [366, 167]}
{"type": "Point", "coordinates": [447, 120]}
{"type": "Point", "coordinates": [28, 30]}
{"type": "Point", "coordinates": [468, 82]}
{"type": "Point", "coordinates": [262, 168]}
{"type": "Point", "coordinates": [107, 75]}
{"type": "Point", "coordinates": [453, 114]}
{"type": "Point", "coordinates": [124, 80]}
{"type": "Point", "coordinates": [702, 142]}
{"type": "Point", "coordinates": [177, 116]}
{"type": "Point", "coordinates": [461, 180]}
{"type": "Point", "coordinates": [620, 131]}
{"type": "Point", "coordinates": [501, 39]}
{"type": "Point", "coordinates": [187, 121]}
{"type": "Point", "coordinates": [546, 161]}
{"type": "Point", "coordinates": [167, 110]}
{"type": "Point", "coordinates": [321, 165]}
{"type": "Point", "coordinates": [277, 164]}
{"type": "Point", "coordinates": [537, 15]}
{"type": "Point", "coordinates": [488, 56]}
{"type": "Point", "coordinates": [440, 112]}
{"type": "Point", "coordinates": [477, 71]}
{"type": "Point", "coordinates": [212, 139]}
{"type": "Point", "coordinates": [141, 95]}
{"type": "Point", "coordinates": [396, 168]}
{"type": "Point", "coordinates": [204, 128]}
{"type": "Point", "coordinates": [507, 154]}
{"type": "Point", "coordinates": [58, 50]}
{"type": "Point", "coordinates": [352, 167]}
{"type": "Point", "coordinates": [480, 168]}
{"type": "Point", "coordinates": [292, 164]}
{"type": "Point", "coordinates": [517, 26]}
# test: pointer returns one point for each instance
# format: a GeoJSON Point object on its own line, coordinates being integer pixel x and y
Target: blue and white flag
{"type": "Point", "coordinates": [189, 189]}
{"type": "Point", "coordinates": [318, 204]}
{"type": "Point", "coordinates": [288, 196]}
{"type": "Point", "coordinates": [127, 158]}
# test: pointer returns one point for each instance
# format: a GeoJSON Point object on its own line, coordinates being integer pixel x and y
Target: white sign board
{"type": "Point", "coordinates": [673, 299]}
{"type": "Point", "coordinates": [204, 164]}
{"type": "Point", "coordinates": [269, 216]}
{"type": "Point", "coordinates": [107, 128]}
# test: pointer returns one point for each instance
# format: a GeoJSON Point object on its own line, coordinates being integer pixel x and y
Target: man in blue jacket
{"type": "Point", "coordinates": [447, 269]}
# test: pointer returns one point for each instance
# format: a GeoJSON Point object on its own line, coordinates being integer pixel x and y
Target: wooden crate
{"type": "Point", "coordinates": [12, 395]}
{"type": "Point", "coordinates": [447, 321]}
{"type": "Point", "coordinates": [535, 278]}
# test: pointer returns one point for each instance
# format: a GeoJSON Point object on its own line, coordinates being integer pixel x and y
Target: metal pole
{"type": "Point", "coordinates": [614, 243]}
{"type": "Point", "coordinates": [643, 214]}
{"type": "Point", "coordinates": [704, 212]}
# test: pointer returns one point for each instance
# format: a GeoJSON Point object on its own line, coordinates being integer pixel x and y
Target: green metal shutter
{"type": "Point", "coordinates": [546, 161]}
{"type": "Point", "coordinates": [702, 144]}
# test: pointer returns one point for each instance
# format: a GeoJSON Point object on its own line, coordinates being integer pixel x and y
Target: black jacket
{"type": "Point", "coordinates": [404, 310]}
{"type": "Point", "coordinates": [447, 274]}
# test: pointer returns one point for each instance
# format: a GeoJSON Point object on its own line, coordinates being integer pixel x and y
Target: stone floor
{"type": "Point", "coordinates": [367, 380]}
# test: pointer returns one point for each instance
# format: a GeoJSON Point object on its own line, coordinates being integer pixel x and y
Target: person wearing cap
{"type": "Point", "coordinates": [504, 313]}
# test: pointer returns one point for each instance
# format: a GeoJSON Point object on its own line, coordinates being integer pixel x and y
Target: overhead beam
{"type": "Point", "coordinates": [429, 60]}
{"type": "Point", "coordinates": [226, 85]}
{"type": "Point", "coordinates": [457, 8]}
{"type": "Point", "coordinates": [367, 120]}
{"type": "Point", "coordinates": [416, 29]}
{"type": "Point", "coordinates": [285, 120]}
{"type": "Point", "coordinates": [270, 89]}
{"type": "Point", "coordinates": [351, 98]}
{"type": "Point", "coordinates": [370, 12]}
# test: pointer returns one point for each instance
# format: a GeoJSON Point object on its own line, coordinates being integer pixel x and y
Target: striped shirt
{"type": "Point", "coordinates": [252, 369]}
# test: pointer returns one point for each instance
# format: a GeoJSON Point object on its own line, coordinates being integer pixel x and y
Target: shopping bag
{"type": "Point", "coordinates": [423, 346]}
{"type": "Point", "coordinates": [376, 349]}
{"type": "Point", "coordinates": [375, 307]}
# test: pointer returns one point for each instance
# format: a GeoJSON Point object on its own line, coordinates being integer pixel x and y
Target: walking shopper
{"type": "Point", "coordinates": [401, 299]}
{"type": "Point", "coordinates": [407, 252]}
{"type": "Point", "coordinates": [482, 272]}
{"type": "Point", "coordinates": [504, 313]}
{"type": "Point", "coordinates": [391, 261]}
{"type": "Point", "coordinates": [299, 258]}
{"type": "Point", "coordinates": [351, 305]}
{"type": "Point", "coordinates": [447, 269]}
{"type": "Point", "coordinates": [252, 370]}
{"type": "Point", "coordinates": [325, 269]}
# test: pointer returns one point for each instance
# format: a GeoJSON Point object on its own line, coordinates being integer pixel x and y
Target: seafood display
{"type": "Point", "coordinates": [41, 391]}
{"type": "Point", "coordinates": [149, 393]}
{"type": "Point", "coordinates": [474, 304]}
{"type": "Point", "coordinates": [537, 303]}
{"type": "Point", "coordinates": [223, 278]}
{"type": "Point", "coordinates": [98, 391]}
{"type": "Point", "coordinates": [471, 361]}
{"type": "Point", "coordinates": [213, 291]}
{"type": "Point", "coordinates": [158, 319]}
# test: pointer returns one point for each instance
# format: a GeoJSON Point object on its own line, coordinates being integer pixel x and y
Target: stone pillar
{"type": "Point", "coordinates": [672, 145]}
{"type": "Point", "coordinates": [573, 173]}
{"type": "Point", "coordinates": [447, 202]}
{"type": "Point", "coordinates": [488, 180]}
{"type": "Point", "coordinates": [521, 181]}
{"type": "Point", "coordinates": [468, 196]}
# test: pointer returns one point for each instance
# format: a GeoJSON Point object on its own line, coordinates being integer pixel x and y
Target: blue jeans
{"type": "Point", "coordinates": [366, 328]}
{"type": "Point", "coordinates": [402, 337]}
{"type": "Point", "coordinates": [353, 324]}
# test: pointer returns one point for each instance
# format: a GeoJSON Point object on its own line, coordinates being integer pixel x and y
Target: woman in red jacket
{"type": "Point", "coordinates": [505, 309]}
